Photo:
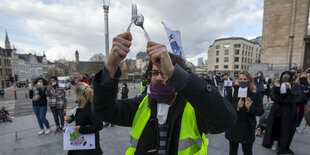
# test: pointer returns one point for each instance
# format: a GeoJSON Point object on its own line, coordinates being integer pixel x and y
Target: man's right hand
{"type": "Point", "coordinates": [119, 51]}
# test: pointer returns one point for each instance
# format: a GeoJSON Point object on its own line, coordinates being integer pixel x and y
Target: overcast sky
{"type": "Point", "coordinates": [59, 27]}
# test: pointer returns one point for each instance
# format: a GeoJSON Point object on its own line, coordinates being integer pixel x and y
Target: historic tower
{"type": "Point", "coordinates": [7, 42]}
{"type": "Point", "coordinates": [77, 59]}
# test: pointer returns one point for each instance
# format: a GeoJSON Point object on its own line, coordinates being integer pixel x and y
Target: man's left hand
{"type": "Point", "coordinates": [160, 57]}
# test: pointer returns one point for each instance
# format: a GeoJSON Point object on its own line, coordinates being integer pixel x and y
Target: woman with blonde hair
{"type": "Point", "coordinates": [85, 122]}
{"type": "Point", "coordinates": [303, 80]}
{"type": "Point", "coordinates": [248, 104]}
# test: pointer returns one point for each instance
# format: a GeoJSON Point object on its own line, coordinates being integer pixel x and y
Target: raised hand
{"type": "Point", "coordinates": [119, 51]}
{"type": "Point", "coordinates": [248, 103]}
{"type": "Point", "coordinates": [160, 57]}
{"type": "Point", "coordinates": [240, 103]}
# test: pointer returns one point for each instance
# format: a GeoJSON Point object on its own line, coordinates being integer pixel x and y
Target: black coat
{"type": "Point", "coordinates": [259, 83]}
{"type": "Point", "coordinates": [214, 113]}
{"type": "Point", "coordinates": [285, 107]}
{"type": "Point", "coordinates": [244, 130]}
{"type": "Point", "coordinates": [267, 83]}
{"type": "Point", "coordinates": [124, 92]}
{"type": "Point", "coordinates": [88, 124]}
{"type": "Point", "coordinates": [42, 100]}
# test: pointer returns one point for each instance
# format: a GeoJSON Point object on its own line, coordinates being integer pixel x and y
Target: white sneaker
{"type": "Point", "coordinates": [274, 146]}
{"type": "Point", "coordinates": [48, 131]}
{"type": "Point", "coordinates": [41, 132]}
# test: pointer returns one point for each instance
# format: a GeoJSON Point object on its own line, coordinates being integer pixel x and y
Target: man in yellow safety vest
{"type": "Point", "coordinates": [175, 117]}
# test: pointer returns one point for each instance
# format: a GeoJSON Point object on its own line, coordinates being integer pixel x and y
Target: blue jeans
{"type": "Point", "coordinates": [40, 112]}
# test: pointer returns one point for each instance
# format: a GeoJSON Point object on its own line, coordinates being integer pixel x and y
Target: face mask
{"type": "Point", "coordinates": [162, 93]}
{"type": "Point", "coordinates": [243, 84]}
{"type": "Point", "coordinates": [303, 81]}
{"type": "Point", "coordinates": [54, 83]}
{"type": "Point", "coordinates": [285, 79]}
{"type": "Point", "coordinates": [214, 76]}
{"type": "Point", "coordinates": [40, 84]}
{"type": "Point", "coordinates": [259, 74]}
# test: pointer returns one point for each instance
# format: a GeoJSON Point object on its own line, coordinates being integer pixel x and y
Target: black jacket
{"type": "Point", "coordinates": [42, 101]}
{"type": "Point", "coordinates": [259, 83]}
{"type": "Point", "coordinates": [124, 92]}
{"type": "Point", "coordinates": [285, 108]}
{"type": "Point", "coordinates": [88, 124]}
{"type": "Point", "coordinates": [244, 130]}
{"type": "Point", "coordinates": [214, 113]}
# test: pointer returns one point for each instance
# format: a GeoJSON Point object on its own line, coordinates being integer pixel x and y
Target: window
{"type": "Point", "coordinates": [245, 59]}
{"type": "Point", "coordinates": [216, 66]}
{"type": "Point", "coordinates": [217, 59]}
{"type": "Point", "coordinates": [248, 60]}
{"type": "Point", "coordinates": [0, 62]}
{"type": "Point", "coordinates": [246, 53]}
{"type": "Point", "coordinates": [241, 66]}
{"type": "Point", "coordinates": [236, 52]}
{"type": "Point", "coordinates": [236, 59]}
{"type": "Point", "coordinates": [0, 71]}
{"type": "Point", "coordinates": [226, 52]}
{"type": "Point", "coordinates": [242, 52]}
{"type": "Point", "coordinates": [237, 45]}
{"type": "Point", "coordinates": [226, 59]}
{"type": "Point", "coordinates": [217, 46]}
{"type": "Point", "coordinates": [249, 53]}
{"type": "Point", "coordinates": [242, 60]}
{"type": "Point", "coordinates": [226, 45]}
{"type": "Point", "coordinates": [217, 53]}
{"type": "Point", "coordinates": [236, 66]}
{"type": "Point", "coordinates": [225, 66]}
{"type": "Point", "coordinates": [242, 45]}
{"type": "Point", "coordinates": [256, 55]}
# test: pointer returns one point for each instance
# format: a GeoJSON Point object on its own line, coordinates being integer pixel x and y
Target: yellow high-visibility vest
{"type": "Point", "coordinates": [191, 142]}
{"type": "Point", "coordinates": [142, 88]}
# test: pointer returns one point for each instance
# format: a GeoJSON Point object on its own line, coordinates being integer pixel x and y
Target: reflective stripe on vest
{"type": "Point", "coordinates": [190, 140]}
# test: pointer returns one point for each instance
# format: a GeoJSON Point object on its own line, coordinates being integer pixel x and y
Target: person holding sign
{"type": "Point", "coordinates": [85, 122]}
{"type": "Point", "coordinates": [175, 117]}
{"type": "Point", "coordinates": [248, 104]}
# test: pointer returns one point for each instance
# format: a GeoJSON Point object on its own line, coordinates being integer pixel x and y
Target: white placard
{"type": "Point", "coordinates": [73, 140]}
{"type": "Point", "coordinates": [228, 83]}
{"type": "Point", "coordinates": [243, 92]}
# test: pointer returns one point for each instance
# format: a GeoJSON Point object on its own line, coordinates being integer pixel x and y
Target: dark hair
{"type": "Point", "coordinates": [291, 79]}
{"type": "Point", "coordinates": [40, 78]}
{"type": "Point", "coordinates": [262, 74]}
{"type": "Point", "coordinates": [175, 59]}
{"type": "Point", "coordinates": [53, 77]}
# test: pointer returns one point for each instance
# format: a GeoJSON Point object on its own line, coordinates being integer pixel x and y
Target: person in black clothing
{"type": "Point", "coordinates": [85, 122]}
{"type": "Point", "coordinates": [304, 81]}
{"type": "Point", "coordinates": [267, 83]}
{"type": "Point", "coordinates": [124, 91]}
{"type": "Point", "coordinates": [283, 115]}
{"type": "Point", "coordinates": [259, 83]}
{"type": "Point", "coordinates": [174, 91]}
{"type": "Point", "coordinates": [39, 103]}
{"type": "Point", "coordinates": [248, 104]}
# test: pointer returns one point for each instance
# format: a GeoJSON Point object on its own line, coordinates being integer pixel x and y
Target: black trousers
{"type": "Point", "coordinates": [246, 148]}
{"type": "Point", "coordinates": [58, 114]}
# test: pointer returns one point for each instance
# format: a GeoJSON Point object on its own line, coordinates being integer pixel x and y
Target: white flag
{"type": "Point", "coordinates": [174, 37]}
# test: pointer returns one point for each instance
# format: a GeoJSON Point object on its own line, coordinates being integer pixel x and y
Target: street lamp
{"type": "Point", "coordinates": [106, 4]}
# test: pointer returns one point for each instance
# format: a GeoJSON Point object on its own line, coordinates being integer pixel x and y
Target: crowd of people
{"type": "Point", "coordinates": [176, 108]}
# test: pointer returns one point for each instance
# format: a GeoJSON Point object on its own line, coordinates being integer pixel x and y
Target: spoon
{"type": "Point", "coordinates": [139, 22]}
{"type": "Point", "coordinates": [134, 15]}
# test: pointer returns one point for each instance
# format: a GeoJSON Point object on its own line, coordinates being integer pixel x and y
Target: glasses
{"type": "Point", "coordinates": [155, 73]}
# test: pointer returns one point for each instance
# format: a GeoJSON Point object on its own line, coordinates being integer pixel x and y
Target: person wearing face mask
{"type": "Point", "coordinates": [214, 81]}
{"type": "Point", "coordinates": [283, 115]}
{"type": "Point", "coordinates": [248, 104]}
{"type": "Point", "coordinates": [85, 122]}
{"type": "Point", "coordinates": [259, 83]}
{"type": "Point", "coordinates": [57, 102]}
{"type": "Point", "coordinates": [303, 81]}
{"type": "Point", "coordinates": [177, 114]}
{"type": "Point", "coordinates": [39, 104]}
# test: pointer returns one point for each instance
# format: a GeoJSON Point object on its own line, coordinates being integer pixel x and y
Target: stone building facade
{"type": "Point", "coordinates": [286, 33]}
{"type": "Point", "coordinates": [232, 55]}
